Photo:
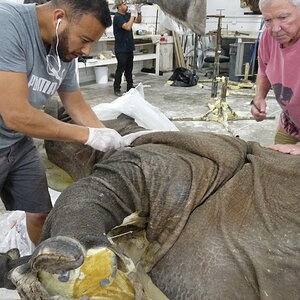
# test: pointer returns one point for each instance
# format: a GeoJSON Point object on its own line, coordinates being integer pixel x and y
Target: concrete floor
{"type": "Point", "coordinates": [180, 102]}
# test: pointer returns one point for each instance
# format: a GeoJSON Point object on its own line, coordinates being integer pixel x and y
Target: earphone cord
{"type": "Point", "coordinates": [50, 68]}
{"type": "Point", "coordinates": [56, 49]}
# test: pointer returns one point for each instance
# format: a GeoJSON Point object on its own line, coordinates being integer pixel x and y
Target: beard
{"type": "Point", "coordinates": [63, 48]}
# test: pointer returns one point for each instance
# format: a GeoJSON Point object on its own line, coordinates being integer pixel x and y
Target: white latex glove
{"type": "Point", "coordinates": [133, 11]}
{"type": "Point", "coordinates": [105, 139]}
{"type": "Point", "coordinates": [139, 7]}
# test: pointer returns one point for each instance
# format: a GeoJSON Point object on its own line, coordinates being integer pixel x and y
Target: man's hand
{"type": "Point", "coordinates": [258, 109]}
{"type": "Point", "coordinates": [105, 139]}
{"type": "Point", "coordinates": [293, 149]}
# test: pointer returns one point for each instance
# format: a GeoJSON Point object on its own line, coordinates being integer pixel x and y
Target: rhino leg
{"type": "Point", "coordinates": [191, 13]}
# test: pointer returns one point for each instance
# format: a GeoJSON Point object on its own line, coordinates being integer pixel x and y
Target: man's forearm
{"type": "Point", "coordinates": [35, 123]}
{"type": "Point", "coordinates": [138, 19]}
{"type": "Point", "coordinates": [128, 26]}
{"type": "Point", "coordinates": [79, 110]}
{"type": "Point", "coordinates": [258, 104]}
{"type": "Point", "coordinates": [262, 87]}
{"type": "Point", "coordinates": [86, 117]}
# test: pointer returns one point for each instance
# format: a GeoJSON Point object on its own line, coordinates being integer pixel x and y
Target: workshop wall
{"type": "Point", "coordinates": [18, 1]}
{"type": "Point", "coordinates": [236, 18]}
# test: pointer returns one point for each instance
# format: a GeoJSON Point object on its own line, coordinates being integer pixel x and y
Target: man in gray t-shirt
{"type": "Point", "coordinates": [37, 52]}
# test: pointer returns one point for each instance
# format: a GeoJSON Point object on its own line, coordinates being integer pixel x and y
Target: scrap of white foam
{"type": "Point", "coordinates": [6, 294]}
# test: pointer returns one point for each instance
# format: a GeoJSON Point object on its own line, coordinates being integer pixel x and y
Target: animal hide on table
{"type": "Point", "coordinates": [229, 207]}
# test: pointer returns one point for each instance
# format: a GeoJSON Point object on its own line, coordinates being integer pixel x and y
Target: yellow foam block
{"type": "Point", "coordinates": [98, 276]}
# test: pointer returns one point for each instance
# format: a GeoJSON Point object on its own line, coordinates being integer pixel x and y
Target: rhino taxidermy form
{"type": "Point", "coordinates": [221, 217]}
{"type": "Point", "coordinates": [191, 13]}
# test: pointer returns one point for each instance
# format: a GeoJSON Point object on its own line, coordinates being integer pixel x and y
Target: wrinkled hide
{"type": "Point", "coordinates": [222, 215]}
{"type": "Point", "coordinates": [191, 13]}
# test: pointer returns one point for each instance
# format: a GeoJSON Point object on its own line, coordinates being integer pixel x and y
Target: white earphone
{"type": "Point", "coordinates": [58, 22]}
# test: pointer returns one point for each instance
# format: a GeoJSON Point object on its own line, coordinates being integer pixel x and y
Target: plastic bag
{"type": "Point", "coordinates": [13, 232]}
{"type": "Point", "coordinates": [135, 106]}
{"type": "Point", "coordinates": [183, 77]}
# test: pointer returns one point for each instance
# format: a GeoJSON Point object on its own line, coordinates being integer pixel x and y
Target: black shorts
{"type": "Point", "coordinates": [23, 182]}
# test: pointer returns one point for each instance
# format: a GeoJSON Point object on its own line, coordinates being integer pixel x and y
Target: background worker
{"type": "Point", "coordinates": [279, 57]}
{"type": "Point", "coordinates": [124, 43]}
{"type": "Point", "coordinates": [38, 48]}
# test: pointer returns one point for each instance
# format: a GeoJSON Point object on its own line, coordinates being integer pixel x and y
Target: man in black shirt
{"type": "Point", "coordinates": [124, 44]}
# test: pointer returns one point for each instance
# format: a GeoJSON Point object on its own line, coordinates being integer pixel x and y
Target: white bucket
{"type": "Point", "coordinates": [101, 74]}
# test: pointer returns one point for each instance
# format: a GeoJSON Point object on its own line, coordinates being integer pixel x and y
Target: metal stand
{"type": "Point", "coordinates": [221, 111]}
{"type": "Point", "coordinates": [195, 54]}
{"type": "Point", "coordinates": [214, 85]}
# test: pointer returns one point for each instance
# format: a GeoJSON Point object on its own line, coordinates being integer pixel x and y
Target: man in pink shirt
{"type": "Point", "coordinates": [279, 69]}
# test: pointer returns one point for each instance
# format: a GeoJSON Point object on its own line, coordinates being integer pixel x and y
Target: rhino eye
{"type": "Point", "coordinates": [64, 277]}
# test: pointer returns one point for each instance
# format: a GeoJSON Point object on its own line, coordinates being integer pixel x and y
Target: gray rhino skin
{"type": "Point", "coordinates": [191, 13]}
{"type": "Point", "coordinates": [224, 214]}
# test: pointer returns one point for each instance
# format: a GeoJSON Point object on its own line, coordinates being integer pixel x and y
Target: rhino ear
{"type": "Point", "coordinates": [13, 253]}
{"type": "Point", "coordinates": [57, 255]}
